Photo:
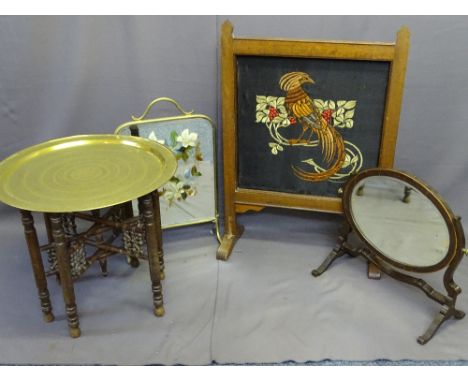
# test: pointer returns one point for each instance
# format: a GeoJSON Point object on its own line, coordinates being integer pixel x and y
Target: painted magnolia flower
{"type": "Point", "coordinates": [174, 191]}
{"type": "Point", "coordinates": [186, 138]}
{"type": "Point", "coordinates": [192, 191]}
{"type": "Point", "coordinates": [153, 137]}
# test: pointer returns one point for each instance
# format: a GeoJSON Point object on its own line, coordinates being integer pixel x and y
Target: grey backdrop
{"type": "Point", "coordinates": [70, 75]}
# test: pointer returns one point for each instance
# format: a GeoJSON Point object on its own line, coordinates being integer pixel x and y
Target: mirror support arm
{"type": "Point", "coordinates": [339, 250]}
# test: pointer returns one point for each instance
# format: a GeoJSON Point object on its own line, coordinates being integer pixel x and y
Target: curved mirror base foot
{"type": "Point", "coordinates": [447, 301]}
{"type": "Point", "coordinates": [445, 314]}
{"type": "Point", "coordinates": [403, 228]}
{"type": "Point", "coordinates": [334, 254]}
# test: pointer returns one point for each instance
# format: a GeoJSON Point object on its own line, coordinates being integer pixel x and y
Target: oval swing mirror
{"type": "Point", "coordinates": [403, 225]}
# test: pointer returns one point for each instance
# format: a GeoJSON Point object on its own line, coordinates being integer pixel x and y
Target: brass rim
{"type": "Point", "coordinates": [432, 195]}
{"type": "Point", "coordinates": [84, 172]}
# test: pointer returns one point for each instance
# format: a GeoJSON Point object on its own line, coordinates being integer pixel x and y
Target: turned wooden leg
{"type": "Point", "coordinates": [100, 239]}
{"type": "Point", "coordinates": [50, 240]}
{"type": "Point", "coordinates": [127, 213]}
{"type": "Point", "coordinates": [63, 263]}
{"type": "Point", "coordinates": [127, 208]}
{"type": "Point", "coordinates": [157, 222]}
{"type": "Point", "coordinates": [37, 265]}
{"type": "Point", "coordinates": [103, 266]}
{"type": "Point", "coordinates": [153, 257]}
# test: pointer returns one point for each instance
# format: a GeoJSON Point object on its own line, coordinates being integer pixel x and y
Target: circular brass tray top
{"type": "Point", "coordinates": [84, 172]}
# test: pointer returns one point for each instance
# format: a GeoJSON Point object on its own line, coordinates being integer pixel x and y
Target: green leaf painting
{"type": "Point", "coordinates": [186, 147]}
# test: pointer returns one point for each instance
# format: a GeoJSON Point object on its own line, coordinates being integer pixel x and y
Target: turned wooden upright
{"type": "Point", "coordinates": [93, 178]}
{"type": "Point", "coordinates": [58, 241]}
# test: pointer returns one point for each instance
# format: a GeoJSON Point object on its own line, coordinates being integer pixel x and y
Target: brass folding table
{"type": "Point", "coordinates": [89, 179]}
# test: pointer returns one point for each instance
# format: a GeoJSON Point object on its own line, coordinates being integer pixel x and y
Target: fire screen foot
{"type": "Point", "coordinates": [227, 243]}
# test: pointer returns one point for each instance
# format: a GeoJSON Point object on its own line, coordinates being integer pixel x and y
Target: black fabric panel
{"type": "Point", "coordinates": [363, 81]}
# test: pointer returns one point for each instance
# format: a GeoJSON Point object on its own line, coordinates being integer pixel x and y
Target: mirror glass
{"type": "Point", "coordinates": [190, 195]}
{"type": "Point", "coordinates": [399, 221]}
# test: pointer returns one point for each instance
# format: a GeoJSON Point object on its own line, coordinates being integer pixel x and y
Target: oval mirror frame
{"type": "Point", "coordinates": [425, 190]}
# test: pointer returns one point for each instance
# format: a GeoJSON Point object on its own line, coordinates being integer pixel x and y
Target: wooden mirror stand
{"type": "Point", "coordinates": [451, 238]}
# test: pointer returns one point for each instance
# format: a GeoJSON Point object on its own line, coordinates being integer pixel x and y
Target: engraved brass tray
{"type": "Point", "coordinates": [84, 172]}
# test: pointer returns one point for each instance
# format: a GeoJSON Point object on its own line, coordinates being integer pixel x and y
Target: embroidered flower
{"type": "Point", "coordinates": [327, 115]}
{"type": "Point", "coordinates": [275, 148]}
{"type": "Point", "coordinates": [349, 161]}
{"type": "Point", "coordinates": [271, 109]}
{"type": "Point", "coordinates": [338, 114]}
{"type": "Point", "coordinates": [272, 113]}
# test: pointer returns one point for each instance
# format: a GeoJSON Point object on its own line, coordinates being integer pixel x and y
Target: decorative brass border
{"type": "Point", "coordinates": [185, 115]}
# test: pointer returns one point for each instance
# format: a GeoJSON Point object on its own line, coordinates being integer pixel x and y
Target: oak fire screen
{"type": "Point", "coordinates": [299, 117]}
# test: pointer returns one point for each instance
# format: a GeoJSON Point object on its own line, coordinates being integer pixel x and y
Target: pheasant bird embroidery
{"type": "Point", "coordinates": [301, 107]}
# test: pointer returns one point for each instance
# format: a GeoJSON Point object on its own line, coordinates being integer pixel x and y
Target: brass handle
{"type": "Point", "coordinates": [162, 99]}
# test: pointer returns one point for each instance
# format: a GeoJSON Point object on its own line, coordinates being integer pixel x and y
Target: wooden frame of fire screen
{"type": "Point", "coordinates": [239, 199]}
